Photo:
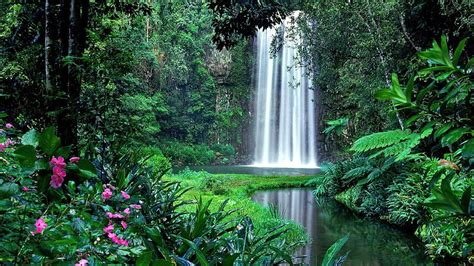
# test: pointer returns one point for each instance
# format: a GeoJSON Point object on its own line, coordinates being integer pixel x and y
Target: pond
{"type": "Point", "coordinates": [370, 242]}
{"type": "Point", "coordinates": [252, 170]}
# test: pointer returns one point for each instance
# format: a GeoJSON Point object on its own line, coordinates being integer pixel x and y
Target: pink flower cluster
{"type": "Point", "coordinates": [6, 144]}
{"type": "Point", "coordinates": [108, 193]}
{"type": "Point", "coordinates": [40, 226]}
{"type": "Point", "coordinates": [59, 172]}
{"type": "Point", "coordinates": [109, 229]}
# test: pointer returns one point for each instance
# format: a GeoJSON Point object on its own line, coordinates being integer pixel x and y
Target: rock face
{"type": "Point", "coordinates": [219, 64]}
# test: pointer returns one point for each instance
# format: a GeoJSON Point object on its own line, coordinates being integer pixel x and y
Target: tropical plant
{"type": "Point", "coordinates": [439, 98]}
{"type": "Point", "coordinates": [330, 256]}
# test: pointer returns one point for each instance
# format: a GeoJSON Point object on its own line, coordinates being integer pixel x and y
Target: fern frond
{"type": "Point", "coordinates": [356, 173]}
{"type": "Point", "coordinates": [380, 140]}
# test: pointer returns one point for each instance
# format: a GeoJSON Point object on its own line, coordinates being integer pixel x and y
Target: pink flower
{"type": "Point", "coordinates": [59, 162]}
{"type": "Point", "coordinates": [114, 215]}
{"type": "Point", "coordinates": [82, 262]}
{"type": "Point", "coordinates": [74, 159]}
{"type": "Point", "coordinates": [56, 181]}
{"type": "Point", "coordinates": [125, 195]}
{"type": "Point", "coordinates": [113, 236]}
{"type": "Point", "coordinates": [9, 142]}
{"type": "Point", "coordinates": [123, 242]}
{"type": "Point", "coordinates": [107, 194]}
{"type": "Point", "coordinates": [127, 211]}
{"type": "Point", "coordinates": [117, 240]}
{"type": "Point", "coordinates": [2, 147]}
{"type": "Point", "coordinates": [124, 224]}
{"type": "Point", "coordinates": [136, 206]}
{"type": "Point", "coordinates": [108, 229]}
{"type": "Point", "coordinates": [40, 226]}
{"type": "Point", "coordinates": [59, 171]}
{"type": "Point", "coordinates": [8, 125]}
{"type": "Point", "coordinates": [25, 189]}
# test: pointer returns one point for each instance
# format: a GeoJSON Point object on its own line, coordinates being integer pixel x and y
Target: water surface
{"type": "Point", "coordinates": [370, 242]}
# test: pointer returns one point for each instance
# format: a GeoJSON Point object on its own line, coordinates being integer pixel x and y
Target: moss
{"type": "Point", "coordinates": [238, 189]}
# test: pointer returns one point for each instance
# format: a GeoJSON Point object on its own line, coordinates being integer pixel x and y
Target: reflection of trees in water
{"type": "Point", "coordinates": [366, 236]}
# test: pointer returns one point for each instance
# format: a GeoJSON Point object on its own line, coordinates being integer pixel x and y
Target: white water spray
{"type": "Point", "coordinates": [285, 108]}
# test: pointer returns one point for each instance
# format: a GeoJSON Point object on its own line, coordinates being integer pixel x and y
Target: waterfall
{"type": "Point", "coordinates": [285, 132]}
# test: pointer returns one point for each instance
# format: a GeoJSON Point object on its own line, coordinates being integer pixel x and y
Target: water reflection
{"type": "Point", "coordinates": [370, 243]}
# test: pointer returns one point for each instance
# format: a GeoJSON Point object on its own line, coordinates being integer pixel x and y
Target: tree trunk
{"type": "Point", "coordinates": [47, 46]}
{"type": "Point", "coordinates": [75, 19]}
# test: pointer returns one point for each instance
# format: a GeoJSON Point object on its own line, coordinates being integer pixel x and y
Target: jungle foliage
{"type": "Point", "coordinates": [420, 177]}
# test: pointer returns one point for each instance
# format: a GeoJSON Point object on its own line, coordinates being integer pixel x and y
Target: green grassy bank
{"type": "Point", "coordinates": [238, 189]}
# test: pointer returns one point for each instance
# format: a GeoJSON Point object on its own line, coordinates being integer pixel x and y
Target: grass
{"type": "Point", "coordinates": [238, 189]}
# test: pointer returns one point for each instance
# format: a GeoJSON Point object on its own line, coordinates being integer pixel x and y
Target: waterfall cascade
{"type": "Point", "coordinates": [285, 108]}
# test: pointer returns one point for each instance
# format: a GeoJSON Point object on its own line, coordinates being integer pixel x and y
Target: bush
{"type": "Point", "coordinates": [188, 154]}
{"type": "Point", "coordinates": [57, 211]}
{"type": "Point", "coordinates": [156, 159]}
{"type": "Point", "coordinates": [215, 185]}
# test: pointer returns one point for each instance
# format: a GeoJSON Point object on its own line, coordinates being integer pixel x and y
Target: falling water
{"type": "Point", "coordinates": [285, 113]}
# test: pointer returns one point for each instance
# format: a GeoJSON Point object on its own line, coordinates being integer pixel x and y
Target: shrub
{"type": "Point", "coordinates": [188, 154]}
{"type": "Point", "coordinates": [215, 185]}
{"type": "Point", "coordinates": [55, 211]}
{"type": "Point", "coordinates": [156, 159]}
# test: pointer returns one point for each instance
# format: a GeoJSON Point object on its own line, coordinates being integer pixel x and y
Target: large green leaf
{"type": "Point", "coordinates": [26, 155]}
{"type": "Point", "coordinates": [331, 253]}
{"type": "Point", "coordinates": [468, 149]}
{"type": "Point", "coordinates": [8, 189]}
{"type": "Point", "coordinates": [144, 259]}
{"type": "Point", "coordinates": [30, 138]}
{"type": "Point", "coordinates": [86, 168]}
{"type": "Point", "coordinates": [453, 136]}
{"type": "Point", "coordinates": [458, 51]}
{"type": "Point", "coordinates": [440, 131]}
{"type": "Point", "coordinates": [48, 141]}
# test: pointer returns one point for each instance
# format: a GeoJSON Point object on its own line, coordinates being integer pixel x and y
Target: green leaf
{"type": "Point", "coordinates": [30, 138]}
{"type": "Point", "coordinates": [453, 136]}
{"type": "Point", "coordinates": [449, 194]}
{"type": "Point", "coordinates": [426, 71]}
{"type": "Point", "coordinates": [440, 131]}
{"type": "Point", "coordinates": [468, 149]}
{"type": "Point", "coordinates": [412, 119]}
{"type": "Point", "coordinates": [199, 254]}
{"type": "Point", "coordinates": [409, 89]}
{"type": "Point", "coordinates": [384, 94]}
{"type": "Point", "coordinates": [63, 151]}
{"type": "Point", "coordinates": [144, 259]}
{"type": "Point", "coordinates": [86, 168]}
{"type": "Point", "coordinates": [445, 51]}
{"type": "Point", "coordinates": [26, 156]}
{"type": "Point", "coordinates": [162, 262]}
{"type": "Point", "coordinates": [48, 141]}
{"type": "Point", "coordinates": [331, 253]}
{"type": "Point", "coordinates": [458, 51]}
{"type": "Point", "coordinates": [8, 189]}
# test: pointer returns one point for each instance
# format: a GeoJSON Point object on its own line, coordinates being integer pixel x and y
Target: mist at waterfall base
{"type": "Point", "coordinates": [285, 126]}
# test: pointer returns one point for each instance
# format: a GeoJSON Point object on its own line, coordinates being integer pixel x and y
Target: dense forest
{"type": "Point", "coordinates": [103, 101]}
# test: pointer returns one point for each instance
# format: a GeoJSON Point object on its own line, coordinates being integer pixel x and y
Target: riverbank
{"type": "Point", "coordinates": [237, 189]}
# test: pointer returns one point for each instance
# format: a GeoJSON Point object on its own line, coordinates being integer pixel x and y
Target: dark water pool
{"type": "Point", "coordinates": [370, 242]}
{"type": "Point", "coordinates": [253, 170]}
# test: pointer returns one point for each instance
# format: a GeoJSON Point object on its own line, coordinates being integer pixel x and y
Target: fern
{"type": "Point", "coordinates": [357, 173]}
{"type": "Point", "coordinates": [391, 143]}
{"type": "Point", "coordinates": [380, 140]}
